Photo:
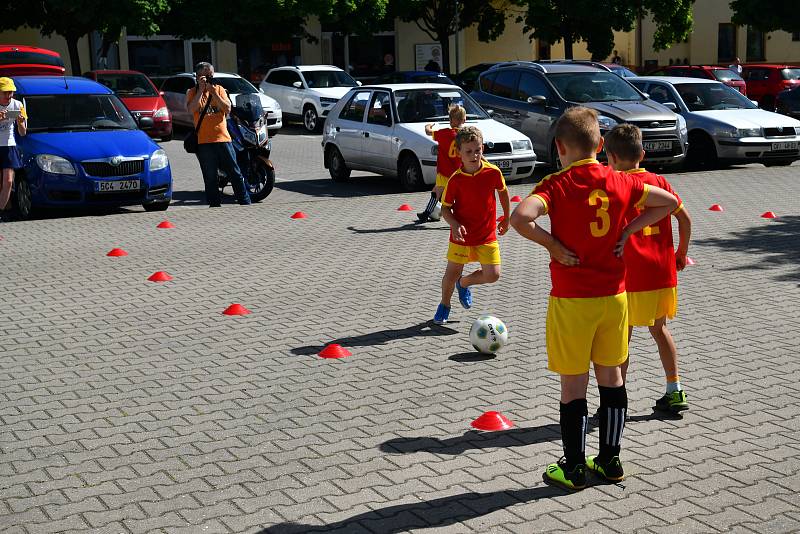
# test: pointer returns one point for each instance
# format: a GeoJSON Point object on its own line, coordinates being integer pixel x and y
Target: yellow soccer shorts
{"type": "Point", "coordinates": [488, 254]}
{"type": "Point", "coordinates": [644, 307]}
{"type": "Point", "coordinates": [584, 330]}
{"type": "Point", "coordinates": [441, 180]}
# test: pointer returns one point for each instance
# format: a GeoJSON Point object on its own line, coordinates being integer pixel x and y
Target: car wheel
{"type": "Point", "coordinates": [411, 173]}
{"type": "Point", "coordinates": [24, 198]}
{"type": "Point", "coordinates": [337, 166]}
{"type": "Point", "coordinates": [778, 163]}
{"type": "Point", "coordinates": [311, 120]}
{"type": "Point", "coordinates": [157, 206]}
{"type": "Point", "coordinates": [166, 138]}
{"type": "Point", "coordinates": [702, 153]}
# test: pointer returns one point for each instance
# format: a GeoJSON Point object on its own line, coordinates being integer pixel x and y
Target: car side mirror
{"type": "Point", "coordinates": [670, 106]}
{"type": "Point", "coordinates": [490, 112]}
{"type": "Point", "coordinates": [298, 85]}
{"type": "Point", "coordinates": [359, 83]}
{"type": "Point", "coordinates": [537, 100]}
{"type": "Point", "coordinates": [145, 123]}
{"type": "Point", "coordinates": [754, 102]}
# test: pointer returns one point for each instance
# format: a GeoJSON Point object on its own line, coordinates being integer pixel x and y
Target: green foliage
{"type": "Point", "coordinates": [767, 16]}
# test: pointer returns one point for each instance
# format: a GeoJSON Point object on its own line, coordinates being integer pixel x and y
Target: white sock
{"type": "Point", "coordinates": [672, 387]}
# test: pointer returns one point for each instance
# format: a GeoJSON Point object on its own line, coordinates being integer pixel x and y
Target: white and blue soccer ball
{"type": "Point", "coordinates": [488, 334]}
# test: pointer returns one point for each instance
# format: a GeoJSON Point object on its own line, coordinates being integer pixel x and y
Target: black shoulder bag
{"type": "Point", "coordinates": [190, 143]}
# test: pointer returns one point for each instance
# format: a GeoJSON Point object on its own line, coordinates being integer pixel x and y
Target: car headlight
{"type": "Point", "coordinates": [435, 150]}
{"type": "Point", "coordinates": [158, 160]}
{"type": "Point", "coordinates": [606, 123]}
{"type": "Point", "coordinates": [748, 132]}
{"type": "Point", "coordinates": [521, 145]}
{"type": "Point", "coordinates": [161, 113]}
{"type": "Point", "coordinates": [325, 101]}
{"type": "Point", "coordinates": [682, 128]}
{"type": "Point", "coordinates": [54, 164]}
{"type": "Point", "coordinates": [725, 131]}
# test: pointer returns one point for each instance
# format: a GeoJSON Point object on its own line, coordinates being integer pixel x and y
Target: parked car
{"type": "Point", "coordinates": [84, 148]}
{"type": "Point", "coordinates": [724, 125]}
{"type": "Point", "coordinates": [531, 96]}
{"type": "Point", "coordinates": [381, 128]}
{"type": "Point", "coordinates": [466, 78]}
{"type": "Point", "coordinates": [413, 76]}
{"type": "Point", "coordinates": [764, 82]}
{"type": "Point", "coordinates": [175, 87]}
{"type": "Point", "coordinates": [141, 97]}
{"type": "Point", "coordinates": [309, 92]}
{"type": "Point", "coordinates": [788, 102]}
{"type": "Point", "coordinates": [620, 70]}
{"type": "Point", "coordinates": [22, 60]}
{"type": "Point", "coordinates": [706, 72]}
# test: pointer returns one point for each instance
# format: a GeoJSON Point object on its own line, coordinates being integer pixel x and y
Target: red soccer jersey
{"type": "Point", "coordinates": [471, 196]}
{"type": "Point", "coordinates": [649, 254]}
{"type": "Point", "coordinates": [447, 161]}
{"type": "Point", "coordinates": [587, 204]}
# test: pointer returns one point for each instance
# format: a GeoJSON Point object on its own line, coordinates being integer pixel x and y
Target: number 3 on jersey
{"type": "Point", "coordinates": [600, 227]}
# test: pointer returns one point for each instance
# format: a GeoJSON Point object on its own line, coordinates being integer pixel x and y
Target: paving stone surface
{"type": "Point", "coordinates": [128, 406]}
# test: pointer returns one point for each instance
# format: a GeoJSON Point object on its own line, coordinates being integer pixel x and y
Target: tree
{"type": "Point", "coordinates": [72, 19]}
{"type": "Point", "coordinates": [594, 22]}
{"type": "Point", "coordinates": [440, 19]}
{"type": "Point", "coordinates": [776, 15]}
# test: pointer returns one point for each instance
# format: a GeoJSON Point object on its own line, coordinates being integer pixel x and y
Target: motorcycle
{"type": "Point", "coordinates": [247, 126]}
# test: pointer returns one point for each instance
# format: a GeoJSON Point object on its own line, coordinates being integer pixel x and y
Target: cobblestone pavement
{"type": "Point", "coordinates": [128, 406]}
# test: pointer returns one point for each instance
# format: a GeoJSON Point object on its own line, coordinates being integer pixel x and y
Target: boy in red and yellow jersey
{"type": "Point", "coordinates": [587, 315]}
{"type": "Point", "coordinates": [448, 160]}
{"type": "Point", "coordinates": [469, 207]}
{"type": "Point", "coordinates": [652, 263]}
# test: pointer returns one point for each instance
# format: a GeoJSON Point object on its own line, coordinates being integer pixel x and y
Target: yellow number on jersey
{"type": "Point", "coordinates": [601, 227]}
{"type": "Point", "coordinates": [650, 230]}
{"type": "Point", "coordinates": [453, 152]}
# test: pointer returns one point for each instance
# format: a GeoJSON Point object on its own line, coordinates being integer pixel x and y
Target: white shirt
{"type": "Point", "coordinates": [7, 125]}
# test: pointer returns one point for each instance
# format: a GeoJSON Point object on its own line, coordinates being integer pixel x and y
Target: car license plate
{"type": "Point", "coordinates": [785, 145]}
{"type": "Point", "coordinates": [117, 185]}
{"type": "Point", "coordinates": [503, 163]}
{"type": "Point", "coordinates": [657, 146]}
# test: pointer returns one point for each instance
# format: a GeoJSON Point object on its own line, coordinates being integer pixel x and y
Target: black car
{"type": "Point", "coordinates": [466, 78]}
{"type": "Point", "coordinates": [531, 96]}
{"type": "Point", "coordinates": [788, 102]}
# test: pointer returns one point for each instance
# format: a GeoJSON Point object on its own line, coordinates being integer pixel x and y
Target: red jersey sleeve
{"type": "Point", "coordinates": [665, 185]}
{"type": "Point", "coordinates": [544, 191]}
{"type": "Point", "coordinates": [449, 193]}
{"type": "Point", "coordinates": [500, 182]}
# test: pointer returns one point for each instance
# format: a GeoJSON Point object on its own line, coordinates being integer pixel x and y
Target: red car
{"type": "Point", "coordinates": [764, 82]}
{"type": "Point", "coordinates": [709, 72]}
{"type": "Point", "coordinates": [22, 60]}
{"type": "Point", "coordinates": [141, 97]}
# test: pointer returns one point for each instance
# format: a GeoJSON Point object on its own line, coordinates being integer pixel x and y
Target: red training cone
{"type": "Point", "coordinates": [689, 261]}
{"type": "Point", "coordinates": [116, 253]}
{"type": "Point", "coordinates": [492, 421]}
{"type": "Point", "coordinates": [165, 224]}
{"type": "Point", "coordinates": [236, 309]}
{"type": "Point", "coordinates": [404, 207]}
{"type": "Point", "coordinates": [716, 207]}
{"type": "Point", "coordinates": [769, 215]}
{"type": "Point", "coordinates": [299, 215]}
{"type": "Point", "coordinates": [516, 198]}
{"type": "Point", "coordinates": [334, 350]}
{"type": "Point", "coordinates": [160, 276]}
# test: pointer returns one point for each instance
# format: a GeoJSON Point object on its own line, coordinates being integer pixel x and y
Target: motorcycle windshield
{"type": "Point", "coordinates": [248, 107]}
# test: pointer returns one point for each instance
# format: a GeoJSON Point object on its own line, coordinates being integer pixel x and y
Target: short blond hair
{"type": "Point", "coordinates": [578, 128]}
{"type": "Point", "coordinates": [624, 141]}
{"type": "Point", "coordinates": [468, 134]}
{"type": "Point", "coordinates": [457, 113]}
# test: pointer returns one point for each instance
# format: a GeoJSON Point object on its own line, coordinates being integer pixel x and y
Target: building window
{"type": "Point", "coordinates": [755, 45]}
{"type": "Point", "coordinates": [726, 42]}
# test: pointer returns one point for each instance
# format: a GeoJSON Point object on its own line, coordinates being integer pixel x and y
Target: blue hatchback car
{"type": "Point", "coordinates": [84, 148]}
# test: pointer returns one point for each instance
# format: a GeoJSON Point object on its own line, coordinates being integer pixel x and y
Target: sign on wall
{"type": "Point", "coordinates": [428, 56]}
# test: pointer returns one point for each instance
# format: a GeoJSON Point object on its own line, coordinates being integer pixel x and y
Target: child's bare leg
{"type": "Point", "coordinates": [573, 387]}
{"type": "Point", "coordinates": [624, 366]}
{"type": "Point", "coordinates": [451, 275]}
{"type": "Point", "coordinates": [613, 409]}
{"type": "Point", "coordinates": [5, 187]}
{"type": "Point", "coordinates": [667, 351]}
{"type": "Point", "coordinates": [487, 274]}
{"type": "Point", "coordinates": [438, 190]}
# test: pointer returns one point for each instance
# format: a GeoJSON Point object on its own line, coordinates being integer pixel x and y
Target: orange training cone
{"type": "Point", "coordinates": [116, 253]}
{"type": "Point", "coordinates": [165, 224]}
{"type": "Point", "coordinates": [404, 207]}
{"type": "Point", "coordinates": [299, 215]}
{"type": "Point", "coordinates": [236, 309]}
{"type": "Point", "coordinates": [689, 261]}
{"type": "Point", "coordinates": [716, 207]}
{"type": "Point", "coordinates": [769, 215]}
{"type": "Point", "coordinates": [334, 350]}
{"type": "Point", "coordinates": [492, 422]}
{"type": "Point", "coordinates": [160, 276]}
{"type": "Point", "coordinates": [516, 198]}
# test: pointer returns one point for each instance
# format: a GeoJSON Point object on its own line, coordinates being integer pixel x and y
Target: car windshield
{"type": "Point", "coordinates": [128, 85]}
{"type": "Point", "coordinates": [712, 96]}
{"type": "Point", "coordinates": [593, 86]}
{"type": "Point", "coordinates": [33, 58]}
{"type": "Point", "coordinates": [238, 86]}
{"type": "Point", "coordinates": [725, 75]}
{"type": "Point", "coordinates": [318, 79]}
{"type": "Point", "coordinates": [790, 74]}
{"type": "Point", "coordinates": [425, 105]}
{"type": "Point", "coordinates": [62, 113]}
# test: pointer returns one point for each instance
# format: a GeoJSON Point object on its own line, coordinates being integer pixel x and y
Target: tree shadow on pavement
{"type": "Point", "coordinates": [381, 337]}
{"type": "Point", "coordinates": [434, 513]}
{"type": "Point", "coordinates": [403, 228]}
{"type": "Point", "coordinates": [774, 243]}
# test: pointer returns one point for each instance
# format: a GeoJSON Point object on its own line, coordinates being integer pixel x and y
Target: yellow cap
{"type": "Point", "coordinates": [7, 84]}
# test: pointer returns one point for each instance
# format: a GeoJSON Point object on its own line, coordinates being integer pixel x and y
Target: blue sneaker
{"type": "Point", "coordinates": [464, 295]}
{"type": "Point", "coordinates": [442, 314]}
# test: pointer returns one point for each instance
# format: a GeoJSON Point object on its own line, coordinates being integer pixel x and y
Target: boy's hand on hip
{"type": "Point", "coordinates": [680, 261]}
{"type": "Point", "coordinates": [619, 248]}
{"type": "Point", "coordinates": [562, 254]}
{"type": "Point", "coordinates": [458, 232]}
{"type": "Point", "coordinates": [502, 226]}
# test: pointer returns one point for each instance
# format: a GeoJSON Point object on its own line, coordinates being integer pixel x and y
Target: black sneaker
{"type": "Point", "coordinates": [556, 475]}
{"type": "Point", "coordinates": [422, 217]}
{"type": "Point", "coordinates": [611, 470]}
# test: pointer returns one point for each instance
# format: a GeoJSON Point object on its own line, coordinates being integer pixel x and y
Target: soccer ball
{"type": "Point", "coordinates": [488, 334]}
{"type": "Point", "coordinates": [436, 214]}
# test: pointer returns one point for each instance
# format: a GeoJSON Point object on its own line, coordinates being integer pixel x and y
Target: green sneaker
{"type": "Point", "coordinates": [611, 471]}
{"type": "Point", "coordinates": [555, 474]}
{"type": "Point", "coordinates": [673, 402]}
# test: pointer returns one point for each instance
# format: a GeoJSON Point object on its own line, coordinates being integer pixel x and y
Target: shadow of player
{"type": "Point", "coordinates": [403, 228]}
{"type": "Point", "coordinates": [381, 337]}
{"type": "Point", "coordinates": [469, 357]}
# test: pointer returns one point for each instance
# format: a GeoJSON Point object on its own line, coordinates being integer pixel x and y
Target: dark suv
{"type": "Point", "coordinates": [531, 96]}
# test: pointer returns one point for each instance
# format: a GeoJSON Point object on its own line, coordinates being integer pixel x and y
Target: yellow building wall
{"type": "Point", "coordinates": [226, 57]}
{"type": "Point", "coordinates": [56, 43]}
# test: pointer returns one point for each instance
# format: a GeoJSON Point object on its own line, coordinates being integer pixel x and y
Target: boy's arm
{"type": "Point", "coordinates": [505, 203]}
{"type": "Point", "coordinates": [657, 205]}
{"type": "Point", "coordinates": [523, 220]}
{"type": "Point", "coordinates": [684, 234]}
{"type": "Point", "coordinates": [458, 229]}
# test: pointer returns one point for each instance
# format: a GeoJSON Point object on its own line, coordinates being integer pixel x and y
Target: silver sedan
{"type": "Point", "coordinates": [724, 126]}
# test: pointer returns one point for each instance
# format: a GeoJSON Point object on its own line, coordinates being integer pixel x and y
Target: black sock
{"type": "Point", "coordinates": [574, 416]}
{"type": "Point", "coordinates": [431, 204]}
{"type": "Point", "coordinates": [613, 408]}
